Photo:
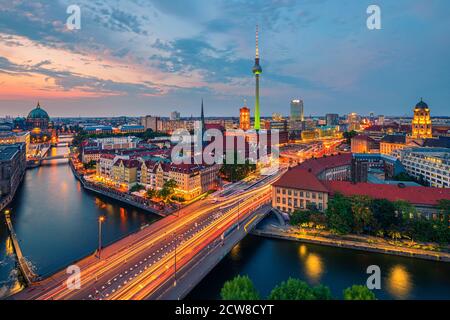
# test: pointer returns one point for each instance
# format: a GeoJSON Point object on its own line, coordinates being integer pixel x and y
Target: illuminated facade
{"type": "Point", "coordinates": [244, 118]}
{"type": "Point", "coordinates": [421, 124]}
{"type": "Point", "coordinates": [257, 70]}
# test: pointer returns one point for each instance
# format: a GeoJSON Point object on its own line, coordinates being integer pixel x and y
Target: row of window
{"type": "Point", "coordinates": [302, 194]}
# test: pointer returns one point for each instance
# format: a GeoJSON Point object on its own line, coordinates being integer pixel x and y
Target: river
{"type": "Point", "coordinates": [56, 223]}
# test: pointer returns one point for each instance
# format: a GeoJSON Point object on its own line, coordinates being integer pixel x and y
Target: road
{"type": "Point", "coordinates": [136, 266]}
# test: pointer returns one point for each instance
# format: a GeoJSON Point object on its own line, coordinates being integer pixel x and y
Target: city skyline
{"type": "Point", "coordinates": [208, 51]}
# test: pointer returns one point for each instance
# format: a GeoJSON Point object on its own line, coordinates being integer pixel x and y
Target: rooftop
{"type": "Point", "coordinates": [316, 166]}
{"type": "Point", "coordinates": [394, 138]}
{"type": "Point", "coordinates": [8, 152]}
{"type": "Point", "coordinates": [302, 179]}
{"type": "Point", "coordinates": [414, 195]}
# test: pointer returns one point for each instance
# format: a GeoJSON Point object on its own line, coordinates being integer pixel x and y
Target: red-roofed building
{"type": "Point", "coordinates": [298, 189]}
{"type": "Point", "coordinates": [337, 167]}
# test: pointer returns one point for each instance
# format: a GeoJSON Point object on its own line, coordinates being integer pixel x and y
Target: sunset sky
{"type": "Point", "coordinates": [155, 56]}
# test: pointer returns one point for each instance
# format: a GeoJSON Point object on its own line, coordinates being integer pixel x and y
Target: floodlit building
{"type": "Point", "coordinates": [421, 123]}
{"type": "Point", "coordinates": [244, 118]}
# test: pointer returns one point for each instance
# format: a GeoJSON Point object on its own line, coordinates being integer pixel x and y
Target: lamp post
{"type": "Point", "coordinates": [101, 219]}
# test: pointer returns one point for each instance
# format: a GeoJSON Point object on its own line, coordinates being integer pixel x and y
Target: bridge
{"type": "Point", "coordinates": [166, 259]}
{"type": "Point", "coordinates": [59, 156]}
{"type": "Point", "coordinates": [27, 272]}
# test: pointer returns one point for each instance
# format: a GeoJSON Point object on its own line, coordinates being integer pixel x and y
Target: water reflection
{"type": "Point", "coordinates": [302, 250]}
{"type": "Point", "coordinates": [236, 252]}
{"type": "Point", "coordinates": [50, 212]}
{"type": "Point", "coordinates": [9, 249]}
{"type": "Point", "coordinates": [314, 268]}
{"type": "Point", "coordinates": [399, 282]}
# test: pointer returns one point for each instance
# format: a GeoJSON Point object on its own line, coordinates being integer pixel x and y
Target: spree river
{"type": "Point", "coordinates": [56, 223]}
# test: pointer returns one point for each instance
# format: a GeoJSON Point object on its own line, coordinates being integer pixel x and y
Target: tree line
{"type": "Point", "coordinates": [242, 288]}
{"type": "Point", "coordinates": [380, 217]}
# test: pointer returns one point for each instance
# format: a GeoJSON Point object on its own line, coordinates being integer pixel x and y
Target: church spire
{"type": "Point", "coordinates": [203, 117]}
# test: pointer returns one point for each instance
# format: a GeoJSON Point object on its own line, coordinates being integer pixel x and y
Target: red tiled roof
{"type": "Point", "coordinates": [320, 164]}
{"type": "Point", "coordinates": [302, 179]}
{"type": "Point", "coordinates": [414, 195]}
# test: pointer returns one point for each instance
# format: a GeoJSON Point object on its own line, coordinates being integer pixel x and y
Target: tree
{"type": "Point", "coordinates": [240, 288]}
{"type": "Point", "coordinates": [404, 210]}
{"type": "Point", "coordinates": [137, 187]}
{"type": "Point", "coordinates": [322, 292]}
{"type": "Point", "coordinates": [295, 289]}
{"type": "Point", "coordinates": [234, 171]}
{"type": "Point", "coordinates": [339, 214]}
{"type": "Point", "coordinates": [300, 216]}
{"type": "Point", "coordinates": [357, 292]}
{"type": "Point", "coordinates": [167, 190]}
{"type": "Point", "coordinates": [362, 214]}
{"type": "Point", "coordinates": [348, 135]}
{"type": "Point", "coordinates": [151, 193]}
{"type": "Point", "coordinates": [384, 213]}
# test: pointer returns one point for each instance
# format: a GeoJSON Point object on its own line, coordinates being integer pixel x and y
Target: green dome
{"type": "Point", "coordinates": [421, 105]}
{"type": "Point", "coordinates": [38, 113]}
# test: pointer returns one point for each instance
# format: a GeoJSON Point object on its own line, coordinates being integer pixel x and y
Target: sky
{"type": "Point", "coordinates": [153, 57]}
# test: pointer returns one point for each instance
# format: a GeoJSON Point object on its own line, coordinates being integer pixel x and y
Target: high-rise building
{"type": "Point", "coordinates": [150, 122]}
{"type": "Point", "coordinates": [297, 112]}
{"type": "Point", "coordinates": [332, 119]}
{"type": "Point", "coordinates": [353, 121]}
{"type": "Point", "coordinates": [257, 71]}
{"type": "Point", "coordinates": [244, 118]}
{"type": "Point", "coordinates": [175, 115]}
{"type": "Point", "coordinates": [421, 123]}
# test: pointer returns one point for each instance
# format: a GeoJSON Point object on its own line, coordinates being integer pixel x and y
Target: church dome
{"type": "Point", "coordinates": [38, 113]}
{"type": "Point", "coordinates": [421, 105]}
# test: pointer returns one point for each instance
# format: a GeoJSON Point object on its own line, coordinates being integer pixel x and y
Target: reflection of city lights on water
{"type": "Point", "coordinates": [314, 267]}
{"type": "Point", "coordinates": [9, 247]}
{"type": "Point", "coordinates": [302, 250]}
{"type": "Point", "coordinates": [399, 282]}
{"type": "Point", "coordinates": [236, 252]}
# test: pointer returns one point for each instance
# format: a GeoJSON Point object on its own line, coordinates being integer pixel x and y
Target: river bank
{"type": "Point", "coordinates": [293, 234]}
{"type": "Point", "coordinates": [127, 199]}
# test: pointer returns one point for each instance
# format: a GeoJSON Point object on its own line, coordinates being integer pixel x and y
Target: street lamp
{"type": "Point", "coordinates": [101, 219]}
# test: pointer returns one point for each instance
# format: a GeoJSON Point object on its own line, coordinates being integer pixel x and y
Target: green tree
{"type": "Point", "coordinates": [239, 288]}
{"type": "Point", "coordinates": [357, 292]}
{"type": "Point", "coordinates": [384, 213]}
{"type": "Point", "coordinates": [322, 292]}
{"type": "Point", "coordinates": [299, 217]}
{"type": "Point", "coordinates": [362, 214]}
{"type": "Point", "coordinates": [137, 187]}
{"type": "Point", "coordinates": [167, 190]}
{"type": "Point", "coordinates": [339, 214]}
{"type": "Point", "coordinates": [404, 210]}
{"type": "Point", "coordinates": [234, 171]}
{"type": "Point", "coordinates": [295, 289]}
{"type": "Point", "coordinates": [151, 193]}
{"type": "Point", "coordinates": [348, 135]}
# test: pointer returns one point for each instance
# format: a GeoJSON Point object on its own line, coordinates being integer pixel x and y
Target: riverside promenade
{"type": "Point", "coordinates": [293, 234]}
{"type": "Point", "coordinates": [116, 195]}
